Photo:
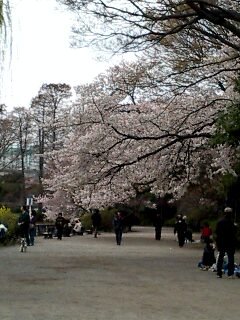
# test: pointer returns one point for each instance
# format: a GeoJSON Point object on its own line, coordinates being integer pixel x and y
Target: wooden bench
{"type": "Point", "coordinates": [43, 229]}
{"type": "Point", "coordinates": [47, 235]}
{"type": "Point", "coordinates": [49, 231]}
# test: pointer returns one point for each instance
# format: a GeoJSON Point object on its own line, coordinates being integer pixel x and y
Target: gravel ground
{"type": "Point", "coordinates": [82, 277]}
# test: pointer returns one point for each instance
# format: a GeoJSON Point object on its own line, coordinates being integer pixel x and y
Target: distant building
{"type": "Point", "coordinates": [11, 160]}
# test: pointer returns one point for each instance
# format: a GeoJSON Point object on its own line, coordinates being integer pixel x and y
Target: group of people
{"type": "Point", "coordinates": [226, 240]}
{"type": "Point", "coordinates": [225, 234]}
{"type": "Point", "coordinates": [27, 225]}
{"type": "Point", "coordinates": [226, 231]}
{"type": "Point", "coordinates": [61, 224]}
{"type": "Point", "coordinates": [182, 231]}
{"type": "Point", "coordinates": [118, 224]}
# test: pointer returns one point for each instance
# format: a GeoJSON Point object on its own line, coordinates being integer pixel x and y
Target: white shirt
{"type": "Point", "coordinates": [77, 227]}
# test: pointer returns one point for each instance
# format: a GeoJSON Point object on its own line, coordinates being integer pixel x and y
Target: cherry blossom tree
{"type": "Point", "coordinates": [193, 34]}
{"type": "Point", "coordinates": [124, 140]}
{"type": "Point", "coordinates": [141, 24]}
{"type": "Point", "coordinates": [148, 124]}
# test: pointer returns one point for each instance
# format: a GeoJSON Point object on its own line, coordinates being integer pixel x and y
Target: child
{"type": "Point", "coordinates": [208, 258]}
{"type": "Point", "coordinates": [206, 233]}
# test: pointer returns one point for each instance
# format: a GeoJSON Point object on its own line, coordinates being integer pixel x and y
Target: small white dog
{"type": "Point", "coordinates": [23, 245]}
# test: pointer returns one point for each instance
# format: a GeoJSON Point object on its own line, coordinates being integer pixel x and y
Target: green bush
{"type": "Point", "coordinates": [9, 219]}
{"type": "Point", "coordinates": [107, 218]}
{"type": "Point", "coordinates": [86, 221]}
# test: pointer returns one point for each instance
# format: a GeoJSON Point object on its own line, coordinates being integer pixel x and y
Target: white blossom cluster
{"type": "Point", "coordinates": [115, 148]}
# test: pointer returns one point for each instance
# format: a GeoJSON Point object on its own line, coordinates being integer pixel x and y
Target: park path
{"type": "Point", "coordinates": [93, 279]}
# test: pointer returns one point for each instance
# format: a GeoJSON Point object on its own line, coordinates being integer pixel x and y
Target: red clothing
{"type": "Point", "coordinates": [206, 232]}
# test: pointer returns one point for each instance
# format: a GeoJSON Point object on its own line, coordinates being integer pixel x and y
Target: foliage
{"type": "Point", "coordinates": [86, 221]}
{"type": "Point", "coordinates": [228, 127]}
{"type": "Point", "coordinates": [226, 181]}
{"type": "Point", "coordinates": [188, 35]}
{"type": "Point", "coordinates": [1, 14]}
{"type": "Point", "coordinates": [11, 189]}
{"type": "Point", "coordinates": [48, 115]}
{"type": "Point", "coordinates": [228, 122]}
{"type": "Point", "coordinates": [151, 22]}
{"type": "Point", "coordinates": [115, 146]}
{"type": "Point", "coordinates": [148, 123]}
{"type": "Point", "coordinates": [107, 217]}
{"type": "Point", "coordinates": [228, 134]}
{"type": "Point", "coordinates": [144, 124]}
{"type": "Point", "coordinates": [9, 219]}
{"type": "Point", "coordinates": [7, 138]}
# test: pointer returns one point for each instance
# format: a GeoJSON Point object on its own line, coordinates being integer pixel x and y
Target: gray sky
{"type": "Point", "coordinates": [41, 52]}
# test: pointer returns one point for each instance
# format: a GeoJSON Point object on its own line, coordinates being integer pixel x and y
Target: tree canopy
{"type": "Point", "coordinates": [148, 123]}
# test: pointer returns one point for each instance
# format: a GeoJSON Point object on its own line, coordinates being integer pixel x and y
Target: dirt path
{"type": "Point", "coordinates": [87, 278]}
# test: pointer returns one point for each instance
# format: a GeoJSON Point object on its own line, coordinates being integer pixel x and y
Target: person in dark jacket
{"type": "Point", "coordinates": [23, 222]}
{"type": "Point", "coordinates": [180, 228]}
{"type": "Point", "coordinates": [226, 242]}
{"type": "Point", "coordinates": [118, 227]}
{"type": "Point", "coordinates": [59, 223]}
{"type": "Point", "coordinates": [158, 223]}
{"type": "Point", "coordinates": [96, 221]}
{"type": "Point", "coordinates": [32, 227]}
{"type": "Point", "coordinates": [208, 258]}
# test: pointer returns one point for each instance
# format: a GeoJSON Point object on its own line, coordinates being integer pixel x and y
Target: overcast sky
{"type": "Point", "coordinates": [41, 52]}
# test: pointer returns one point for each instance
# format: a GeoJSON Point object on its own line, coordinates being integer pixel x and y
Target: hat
{"type": "Point", "coordinates": [228, 209]}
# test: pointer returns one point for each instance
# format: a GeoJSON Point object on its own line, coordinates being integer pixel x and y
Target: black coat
{"type": "Point", "coordinates": [60, 221]}
{"type": "Point", "coordinates": [96, 219]}
{"type": "Point", "coordinates": [226, 234]}
{"type": "Point", "coordinates": [158, 221]}
{"type": "Point", "coordinates": [118, 223]}
{"type": "Point", "coordinates": [180, 227]}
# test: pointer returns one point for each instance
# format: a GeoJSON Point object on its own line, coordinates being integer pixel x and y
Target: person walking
{"type": "Point", "coordinates": [158, 223]}
{"type": "Point", "coordinates": [23, 223]}
{"type": "Point", "coordinates": [32, 227]}
{"type": "Point", "coordinates": [96, 222]}
{"type": "Point", "coordinates": [59, 223]}
{"type": "Point", "coordinates": [226, 242]}
{"type": "Point", "coordinates": [180, 229]}
{"type": "Point", "coordinates": [118, 227]}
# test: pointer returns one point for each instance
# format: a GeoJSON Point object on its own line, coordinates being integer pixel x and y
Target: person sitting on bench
{"type": "Point", "coordinates": [78, 229]}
